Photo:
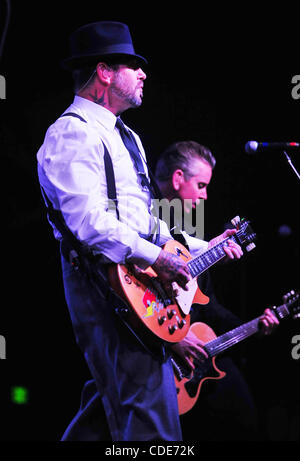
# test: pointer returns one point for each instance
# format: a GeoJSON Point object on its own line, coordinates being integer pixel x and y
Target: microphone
{"type": "Point", "coordinates": [253, 146]}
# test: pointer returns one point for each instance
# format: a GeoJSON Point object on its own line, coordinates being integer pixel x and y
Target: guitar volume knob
{"type": "Point", "coordinates": [161, 319]}
{"type": "Point", "coordinates": [172, 329]}
{"type": "Point", "coordinates": [181, 323]}
{"type": "Point", "coordinates": [171, 313]}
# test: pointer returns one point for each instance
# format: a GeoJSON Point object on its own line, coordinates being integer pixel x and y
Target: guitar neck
{"type": "Point", "coordinates": [210, 257]}
{"type": "Point", "coordinates": [229, 339]}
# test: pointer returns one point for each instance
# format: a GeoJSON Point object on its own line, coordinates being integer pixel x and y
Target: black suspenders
{"type": "Point", "coordinates": [111, 184]}
{"type": "Point", "coordinates": [109, 170]}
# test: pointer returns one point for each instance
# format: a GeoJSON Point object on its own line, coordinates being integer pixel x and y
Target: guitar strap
{"type": "Point", "coordinates": [78, 253]}
{"type": "Point", "coordinates": [175, 230]}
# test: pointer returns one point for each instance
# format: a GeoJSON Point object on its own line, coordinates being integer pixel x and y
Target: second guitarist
{"type": "Point", "coordinates": [228, 412]}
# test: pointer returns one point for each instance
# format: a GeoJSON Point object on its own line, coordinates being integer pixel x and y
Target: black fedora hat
{"type": "Point", "coordinates": [97, 40]}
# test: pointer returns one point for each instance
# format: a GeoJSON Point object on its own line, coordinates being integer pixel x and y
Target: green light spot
{"type": "Point", "coordinates": [19, 395]}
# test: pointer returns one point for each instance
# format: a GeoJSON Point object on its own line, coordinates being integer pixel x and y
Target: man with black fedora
{"type": "Point", "coordinates": [98, 40]}
{"type": "Point", "coordinates": [95, 182]}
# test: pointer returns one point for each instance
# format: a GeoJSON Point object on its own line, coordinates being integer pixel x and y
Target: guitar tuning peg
{"type": "Point", "coordinates": [236, 221]}
{"type": "Point", "coordinates": [288, 296]}
{"type": "Point", "coordinates": [250, 247]}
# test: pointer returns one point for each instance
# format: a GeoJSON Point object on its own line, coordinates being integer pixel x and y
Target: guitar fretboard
{"type": "Point", "coordinates": [236, 335]}
{"type": "Point", "coordinates": [231, 338]}
{"type": "Point", "coordinates": [201, 263]}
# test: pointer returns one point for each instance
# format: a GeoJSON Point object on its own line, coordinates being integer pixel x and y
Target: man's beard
{"type": "Point", "coordinates": [128, 96]}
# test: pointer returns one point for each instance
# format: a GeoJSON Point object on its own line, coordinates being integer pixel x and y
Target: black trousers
{"type": "Point", "coordinates": [132, 394]}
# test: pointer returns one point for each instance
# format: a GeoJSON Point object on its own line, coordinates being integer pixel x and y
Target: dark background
{"type": "Point", "coordinates": [220, 78]}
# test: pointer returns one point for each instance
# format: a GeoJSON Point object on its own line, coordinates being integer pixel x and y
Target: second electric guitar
{"type": "Point", "coordinates": [189, 383]}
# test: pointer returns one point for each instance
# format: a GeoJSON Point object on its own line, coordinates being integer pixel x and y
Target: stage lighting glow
{"type": "Point", "coordinates": [19, 395]}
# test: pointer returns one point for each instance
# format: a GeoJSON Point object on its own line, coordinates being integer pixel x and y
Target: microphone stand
{"type": "Point", "coordinates": [291, 164]}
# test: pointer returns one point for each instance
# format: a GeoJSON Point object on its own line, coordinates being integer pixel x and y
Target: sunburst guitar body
{"type": "Point", "coordinates": [150, 313]}
{"type": "Point", "coordinates": [148, 302]}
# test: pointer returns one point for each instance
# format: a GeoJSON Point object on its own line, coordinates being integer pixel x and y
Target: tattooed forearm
{"type": "Point", "coordinates": [171, 268]}
{"type": "Point", "coordinates": [98, 100]}
{"type": "Point", "coordinates": [169, 263]}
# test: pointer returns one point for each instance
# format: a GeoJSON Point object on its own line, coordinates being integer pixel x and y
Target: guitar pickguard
{"type": "Point", "coordinates": [167, 320]}
{"type": "Point", "coordinates": [185, 298]}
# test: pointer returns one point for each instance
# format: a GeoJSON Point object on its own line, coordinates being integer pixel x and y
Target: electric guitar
{"type": "Point", "coordinates": [149, 310]}
{"type": "Point", "coordinates": [189, 383]}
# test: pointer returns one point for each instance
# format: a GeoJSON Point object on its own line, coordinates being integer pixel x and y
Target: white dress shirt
{"type": "Point", "coordinates": [71, 172]}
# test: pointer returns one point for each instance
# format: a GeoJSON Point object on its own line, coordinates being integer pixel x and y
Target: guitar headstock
{"type": "Point", "coordinates": [245, 234]}
{"type": "Point", "coordinates": [292, 302]}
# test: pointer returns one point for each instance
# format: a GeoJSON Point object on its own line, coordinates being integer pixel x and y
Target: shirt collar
{"type": "Point", "coordinates": [95, 112]}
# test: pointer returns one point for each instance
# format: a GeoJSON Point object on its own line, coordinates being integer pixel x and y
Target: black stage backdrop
{"type": "Point", "coordinates": [221, 78]}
